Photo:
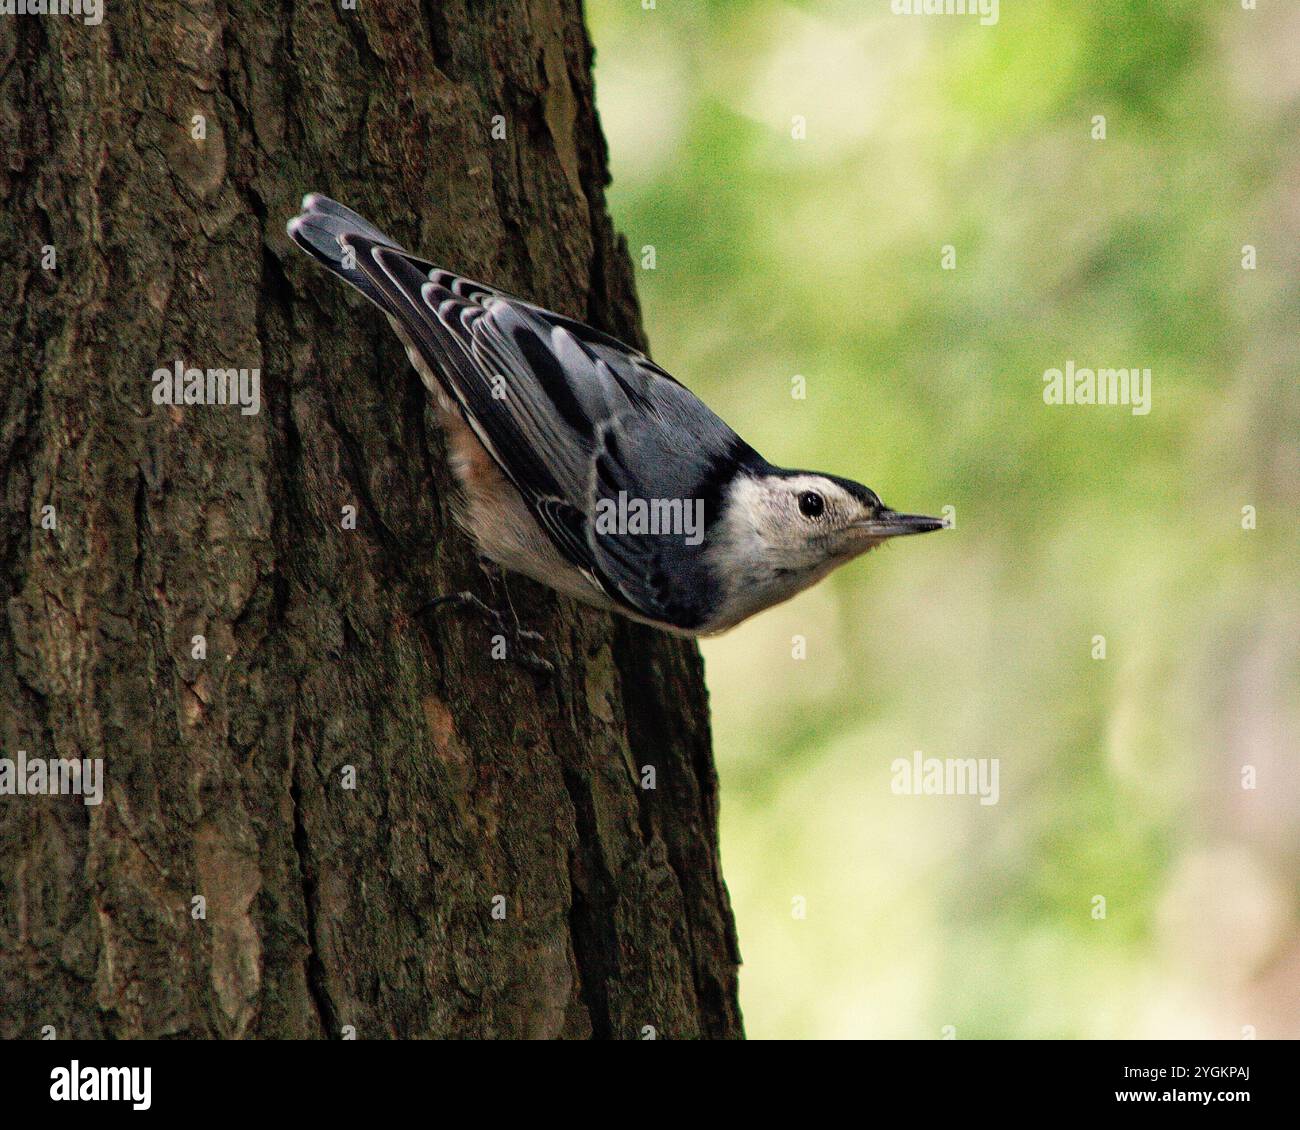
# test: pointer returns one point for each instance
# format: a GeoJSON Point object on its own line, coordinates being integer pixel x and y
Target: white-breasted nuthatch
{"type": "Point", "coordinates": [575, 451]}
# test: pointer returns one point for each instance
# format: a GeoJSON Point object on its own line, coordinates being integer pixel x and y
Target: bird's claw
{"type": "Point", "coordinates": [521, 654]}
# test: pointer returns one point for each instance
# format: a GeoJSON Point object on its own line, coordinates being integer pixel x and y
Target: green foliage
{"type": "Point", "coordinates": [1121, 776]}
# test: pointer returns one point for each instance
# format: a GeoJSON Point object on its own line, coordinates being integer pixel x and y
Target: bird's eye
{"type": "Point", "coordinates": [811, 504]}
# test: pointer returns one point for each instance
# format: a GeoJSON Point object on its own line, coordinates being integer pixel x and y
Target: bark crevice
{"type": "Point", "coordinates": [313, 966]}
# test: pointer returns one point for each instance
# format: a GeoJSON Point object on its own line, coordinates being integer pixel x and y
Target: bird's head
{"type": "Point", "coordinates": [784, 530]}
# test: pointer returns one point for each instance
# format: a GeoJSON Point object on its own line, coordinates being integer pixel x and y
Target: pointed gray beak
{"type": "Point", "coordinates": [890, 524]}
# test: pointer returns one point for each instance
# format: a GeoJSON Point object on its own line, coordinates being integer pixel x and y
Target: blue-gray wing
{"type": "Point", "coordinates": [655, 494]}
{"type": "Point", "coordinates": [628, 448]}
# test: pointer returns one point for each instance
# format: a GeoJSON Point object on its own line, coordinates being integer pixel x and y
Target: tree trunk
{"type": "Point", "coordinates": [500, 867]}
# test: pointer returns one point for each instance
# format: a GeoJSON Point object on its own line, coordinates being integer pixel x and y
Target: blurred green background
{"type": "Point", "coordinates": [1120, 777]}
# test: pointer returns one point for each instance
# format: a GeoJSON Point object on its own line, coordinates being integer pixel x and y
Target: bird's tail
{"type": "Point", "coordinates": [319, 229]}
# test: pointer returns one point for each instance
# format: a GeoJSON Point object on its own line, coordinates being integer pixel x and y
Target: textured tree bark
{"type": "Point", "coordinates": [373, 907]}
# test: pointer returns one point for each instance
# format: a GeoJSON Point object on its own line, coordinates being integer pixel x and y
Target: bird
{"type": "Point", "coordinates": [585, 466]}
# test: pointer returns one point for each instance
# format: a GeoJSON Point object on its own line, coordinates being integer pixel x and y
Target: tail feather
{"type": "Point", "coordinates": [321, 228]}
{"type": "Point", "coordinates": [391, 277]}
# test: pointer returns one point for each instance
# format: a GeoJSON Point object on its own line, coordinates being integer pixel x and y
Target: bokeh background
{"type": "Point", "coordinates": [821, 257]}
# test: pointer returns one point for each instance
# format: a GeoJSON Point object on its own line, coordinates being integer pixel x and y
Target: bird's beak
{"type": "Point", "coordinates": [890, 524]}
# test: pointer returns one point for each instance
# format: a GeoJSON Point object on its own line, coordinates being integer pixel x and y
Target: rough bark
{"type": "Point", "coordinates": [326, 907]}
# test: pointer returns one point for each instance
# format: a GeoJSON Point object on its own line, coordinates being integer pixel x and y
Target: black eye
{"type": "Point", "coordinates": [811, 504]}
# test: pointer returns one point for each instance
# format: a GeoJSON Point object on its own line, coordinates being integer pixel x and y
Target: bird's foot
{"type": "Point", "coordinates": [510, 642]}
